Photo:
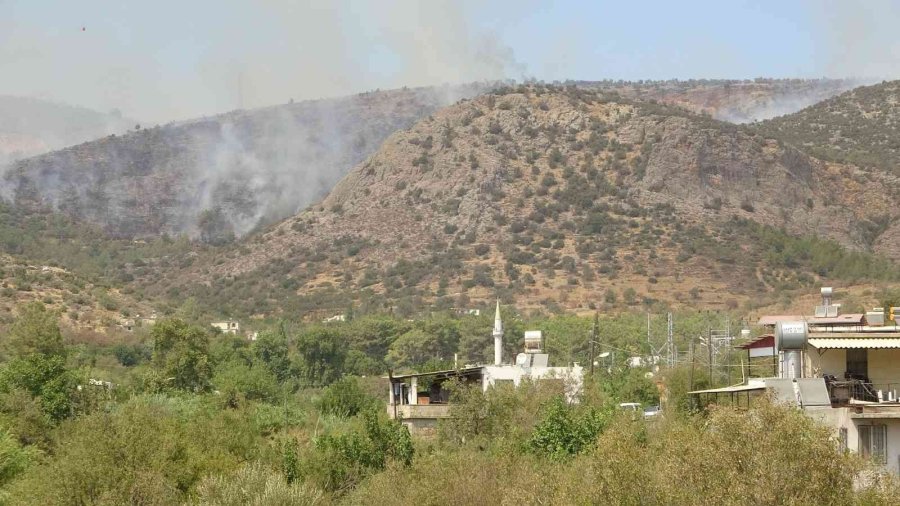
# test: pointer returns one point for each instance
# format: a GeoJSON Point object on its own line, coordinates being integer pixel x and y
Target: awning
{"type": "Point", "coordinates": [854, 343]}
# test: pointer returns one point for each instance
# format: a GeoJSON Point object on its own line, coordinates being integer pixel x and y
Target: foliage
{"type": "Point", "coordinates": [255, 485]}
{"type": "Point", "coordinates": [564, 432]}
{"type": "Point", "coordinates": [181, 355]}
{"type": "Point", "coordinates": [725, 458]}
{"type": "Point", "coordinates": [14, 459]}
{"type": "Point", "coordinates": [38, 365]}
{"type": "Point", "coordinates": [341, 461]}
{"type": "Point", "coordinates": [150, 450]}
{"type": "Point", "coordinates": [35, 331]}
{"type": "Point", "coordinates": [321, 355]}
{"type": "Point", "coordinates": [345, 398]}
{"type": "Point", "coordinates": [237, 382]}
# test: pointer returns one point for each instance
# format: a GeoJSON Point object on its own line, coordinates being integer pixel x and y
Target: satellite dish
{"type": "Point", "coordinates": [604, 354]}
{"type": "Point", "coordinates": [521, 359]}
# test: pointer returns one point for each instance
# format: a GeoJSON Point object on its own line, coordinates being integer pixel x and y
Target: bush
{"type": "Point", "coordinates": [340, 462]}
{"type": "Point", "coordinates": [345, 398]}
{"type": "Point", "coordinates": [563, 432]}
{"type": "Point", "coordinates": [256, 485]}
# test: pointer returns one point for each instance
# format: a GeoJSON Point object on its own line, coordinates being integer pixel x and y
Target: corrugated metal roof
{"type": "Point", "coordinates": [765, 341]}
{"type": "Point", "coordinates": [732, 389]}
{"type": "Point", "coordinates": [843, 343]}
{"type": "Point", "coordinates": [844, 318]}
{"type": "Point", "coordinates": [446, 372]}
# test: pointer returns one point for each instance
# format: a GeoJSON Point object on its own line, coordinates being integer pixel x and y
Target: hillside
{"type": "Point", "coordinates": [561, 198]}
{"type": "Point", "coordinates": [859, 127]}
{"type": "Point", "coordinates": [30, 127]}
{"type": "Point", "coordinates": [734, 101]}
{"type": "Point", "coordinates": [219, 177]}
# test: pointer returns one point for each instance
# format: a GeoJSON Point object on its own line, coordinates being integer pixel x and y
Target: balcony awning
{"type": "Point", "coordinates": [854, 343]}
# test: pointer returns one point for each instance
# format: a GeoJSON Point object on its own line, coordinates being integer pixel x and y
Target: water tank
{"type": "Point", "coordinates": [791, 335]}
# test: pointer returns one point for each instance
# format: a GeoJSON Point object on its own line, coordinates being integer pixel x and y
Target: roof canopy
{"type": "Point", "coordinates": [447, 373]}
{"type": "Point", "coordinates": [855, 343]}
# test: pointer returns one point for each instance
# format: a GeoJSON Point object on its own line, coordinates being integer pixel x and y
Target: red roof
{"type": "Point", "coordinates": [764, 341]}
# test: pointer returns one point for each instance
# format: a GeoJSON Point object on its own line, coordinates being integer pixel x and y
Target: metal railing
{"type": "Point", "coordinates": [843, 391]}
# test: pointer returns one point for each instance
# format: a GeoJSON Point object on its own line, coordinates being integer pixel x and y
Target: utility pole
{"type": "Point", "coordinates": [691, 380]}
{"type": "Point", "coordinates": [648, 333]}
{"type": "Point", "coordinates": [593, 340]}
{"type": "Point", "coordinates": [709, 346]}
{"type": "Point", "coordinates": [670, 338]}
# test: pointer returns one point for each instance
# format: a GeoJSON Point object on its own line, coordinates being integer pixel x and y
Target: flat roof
{"type": "Point", "coordinates": [731, 389]}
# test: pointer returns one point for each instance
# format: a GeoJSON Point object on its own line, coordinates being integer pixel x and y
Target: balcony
{"type": "Point", "coordinates": [843, 392]}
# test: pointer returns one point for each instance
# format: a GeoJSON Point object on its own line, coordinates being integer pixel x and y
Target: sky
{"type": "Point", "coordinates": [166, 60]}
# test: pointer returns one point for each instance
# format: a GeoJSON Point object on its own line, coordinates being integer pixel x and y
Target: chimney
{"type": "Point", "coordinates": [498, 336]}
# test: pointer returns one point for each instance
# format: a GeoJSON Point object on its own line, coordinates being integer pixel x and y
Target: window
{"type": "Point", "coordinates": [873, 442]}
{"type": "Point", "coordinates": [842, 435]}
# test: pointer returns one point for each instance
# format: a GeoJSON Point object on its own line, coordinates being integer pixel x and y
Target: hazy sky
{"type": "Point", "coordinates": [162, 60]}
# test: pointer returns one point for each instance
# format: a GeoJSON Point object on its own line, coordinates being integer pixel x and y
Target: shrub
{"type": "Point", "coordinates": [256, 485]}
{"type": "Point", "coordinates": [345, 398]}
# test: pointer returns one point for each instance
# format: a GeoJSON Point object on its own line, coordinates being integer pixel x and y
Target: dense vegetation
{"type": "Point", "coordinates": [860, 127]}
{"type": "Point", "coordinates": [198, 418]}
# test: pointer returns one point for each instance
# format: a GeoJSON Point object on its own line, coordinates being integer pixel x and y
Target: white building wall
{"type": "Point", "coordinates": [572, 376]}
{"type": "Point", "coordinates": [818, 363]}
{"type": "Point", "coordinates": [884, 366]}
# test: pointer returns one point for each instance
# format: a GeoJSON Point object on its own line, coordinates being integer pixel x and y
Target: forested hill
{"type": "Point", "coordinates": [859, 127]}
{"type": "Point", "coordinates": [219, 177]}
{"type": "Point", "coordinates": [551, 197]}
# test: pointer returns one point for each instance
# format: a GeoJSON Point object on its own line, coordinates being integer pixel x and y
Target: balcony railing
{"type": "Point", "coordinates": [418, 411]}
{"type": "Point", "coordinates": [843, 391]}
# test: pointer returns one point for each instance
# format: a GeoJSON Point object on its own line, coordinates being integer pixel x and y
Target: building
{"type": "Point", "coordinates": [228, 326]}
{"type": "Point", "coordinates": [420, 399]}
{"type": "Point", "coordinates": [843, 369]}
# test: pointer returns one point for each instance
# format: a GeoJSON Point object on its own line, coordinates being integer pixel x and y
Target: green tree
{"type": "Point", "coordinates": [38, 364]}
{"type": "Point", "coordinates": [321, 353]}
{"type": "Point", "coordinates": [271, 348]}
{"type": "Point", "coordinates": [36, 330]}
{"type": "Point", "coordinates": [181, 355]}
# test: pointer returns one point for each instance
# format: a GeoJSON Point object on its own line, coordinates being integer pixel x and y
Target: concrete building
{"type": "Point", "coordinates": [228, 326]}
{"type": "Point", "coordinates": [420, 399]}
{"type": "Point", "coordinates": [843, 369]}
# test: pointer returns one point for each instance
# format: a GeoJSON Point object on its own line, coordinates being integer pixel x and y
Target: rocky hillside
{"type": "Point", "coordinates": [217, 178]}
{"type": "Point", "coordinates": [30, 127]}
{"type": "Point", "coordinates": [566, 197]}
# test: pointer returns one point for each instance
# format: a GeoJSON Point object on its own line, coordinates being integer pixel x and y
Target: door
{"type": "Point", "coordinates": [858, 364]}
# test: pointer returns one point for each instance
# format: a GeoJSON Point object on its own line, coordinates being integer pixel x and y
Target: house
{"type": "Point", "coordinates": [420, 399]}
{"type": "Point", "coordinates": [843, 369]}
{"type": "Point", "coordinates": [228, 326]}
{"type": "Point", "coordinates": [127, 325]}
